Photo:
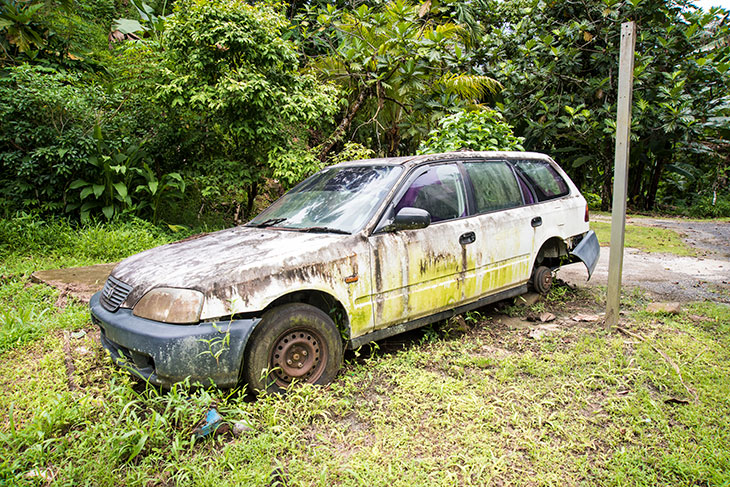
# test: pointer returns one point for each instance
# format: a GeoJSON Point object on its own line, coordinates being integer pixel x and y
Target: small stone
{"type": "Point", "coordinates": [588, 318]}
{"type": "Point", "coordinates": [45, 474]}
{"type": "Point", "coordinates": [537, 333]}
{"type": "Point", "coordinates": [82, 350]}
{"type": "Point", "coordinates": [541, 331]}
{"type": "Point", "coordinates": [239, 428]}
{"type": "Point", "coordinates": [528, 299]}
{"type": "Point", "coordinates": [78, 334]}
{"type": "Point", "coordinates": [671, 308]}
{"type": "Point", "coordinates": [545, 317]}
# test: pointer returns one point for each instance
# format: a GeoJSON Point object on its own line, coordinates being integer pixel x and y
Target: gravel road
{"type": "Point", "coordinates": [669, 277]}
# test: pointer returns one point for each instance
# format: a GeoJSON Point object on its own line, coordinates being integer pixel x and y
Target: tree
{"type": "Point", "coordinates": [231, 75]}
{"type": "Point", "coordinates": [401, 69]}
{"type": "Point", "coordinates": [481, 130]}
{"type": "Point", "coordinates": [558, 64]}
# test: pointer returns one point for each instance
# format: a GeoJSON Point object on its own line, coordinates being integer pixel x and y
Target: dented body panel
{"type": "Point", "coordinates": [385, 280]}
{"type": "Point", "coordinates": [243, 269]}
{"type": "Point", "coordinates": [209, 352]}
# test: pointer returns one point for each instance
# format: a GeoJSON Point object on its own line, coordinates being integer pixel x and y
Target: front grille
{"type": "Point", "coordinates": [114, 294]}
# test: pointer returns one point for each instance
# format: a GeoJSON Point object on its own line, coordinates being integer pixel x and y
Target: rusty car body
{"type": "Point", "coordinates": [358, 252]}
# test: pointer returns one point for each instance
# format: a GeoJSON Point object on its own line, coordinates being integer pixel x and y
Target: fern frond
{"type": "Point", "coordinates": [469, 86]}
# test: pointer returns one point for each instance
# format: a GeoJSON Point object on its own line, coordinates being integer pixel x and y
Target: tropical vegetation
{"type": "Point", "coordinates": [194, 111]}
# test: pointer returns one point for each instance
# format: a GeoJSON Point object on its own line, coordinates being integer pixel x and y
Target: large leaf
{"type": "Point", "coordinates": [108, 211]}
{"type": "Point", "coordinates": [77, 184]}
{"type": "Point", "coordinates": [121, 189]}
{"type": "Point", "coordinates": [128, 26]}
{"type": "Point", "coordinates": [86, 192]}
{"type": "Point", "coordinates": [30, 11]}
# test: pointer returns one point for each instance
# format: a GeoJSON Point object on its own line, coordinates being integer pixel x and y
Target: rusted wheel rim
{"type": "Point", "coordinates": [546, 279]}
{"type": "Point", "coordinates": [543, 280]}
{"type": "Point", "coordinates": [299, 354]}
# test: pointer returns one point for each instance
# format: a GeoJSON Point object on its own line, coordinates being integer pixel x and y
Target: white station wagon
{"type": "Point", "coordinates": [356, 253]}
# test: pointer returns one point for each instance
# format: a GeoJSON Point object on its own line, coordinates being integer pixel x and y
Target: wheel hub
{"type": "Point", "coordinates": [297, 355]}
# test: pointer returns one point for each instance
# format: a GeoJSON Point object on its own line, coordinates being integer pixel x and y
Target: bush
{"type": "Point", "coordinates": [482, 130]}
{"type": "Point", "coordinates": [709, 206]}
{"type": "Point", "coordinates": [593, 200]}
{"type": "Point", "coordinates": [46, 137]}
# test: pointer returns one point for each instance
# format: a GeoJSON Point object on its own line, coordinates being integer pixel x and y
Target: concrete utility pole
{"type": "Point", "coordinates": [621, 171]}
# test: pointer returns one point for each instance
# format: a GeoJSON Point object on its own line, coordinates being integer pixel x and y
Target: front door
{"type": "Point", "coordinates": [420, 272]}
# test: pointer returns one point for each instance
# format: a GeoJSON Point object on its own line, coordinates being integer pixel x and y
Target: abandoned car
{"type": "Point", "coordinates": [360, 251]}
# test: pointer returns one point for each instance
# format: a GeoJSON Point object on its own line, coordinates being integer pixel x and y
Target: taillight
{"type": "Point", "coordinates": [587, 218]}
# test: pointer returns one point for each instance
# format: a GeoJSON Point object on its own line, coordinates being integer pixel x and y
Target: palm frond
{"type": "Point", "coordinates": [469, 86]}
{"type": "Point", "coordinates": [330, 67]}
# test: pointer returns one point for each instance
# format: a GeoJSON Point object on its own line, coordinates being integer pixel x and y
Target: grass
{"type": "Point", "coordinates": [28, 244]}
{"type": "Point", "coordinates": [472, 403]}
{"type": "Point", "coordinates": [664, 217]}
{"type": "Point", "coordinates": [648, 239]}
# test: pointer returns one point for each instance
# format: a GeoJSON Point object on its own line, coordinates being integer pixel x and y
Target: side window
{"type": "Point", "coordinates": [438, 191]}
{"type": "Point", "coordinates": [547, 182]}
{"type": "Point", "coordinates": [495, 186]}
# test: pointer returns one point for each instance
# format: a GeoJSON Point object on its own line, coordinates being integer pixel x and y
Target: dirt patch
{"type": "Point", "coordinates": [667, 276]}
{"type": "Point", "coordinates": [710, 238]}
{"type": "Point", "coordinates": [79, 282]}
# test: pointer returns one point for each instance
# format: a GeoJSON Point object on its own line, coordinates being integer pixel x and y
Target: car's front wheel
{"type": "Point", "coordinates": [293, 343]}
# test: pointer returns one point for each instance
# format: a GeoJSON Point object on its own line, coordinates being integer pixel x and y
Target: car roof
{"type": "Point", "coordinates": [409, 161]}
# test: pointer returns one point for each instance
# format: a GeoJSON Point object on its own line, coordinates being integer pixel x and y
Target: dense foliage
{"type": "Point", "coordinates": [206, 109]}
{"type": "Point", "coordinates": [558, 64]}
{"type": "Point", "coordinates": [475, 130]}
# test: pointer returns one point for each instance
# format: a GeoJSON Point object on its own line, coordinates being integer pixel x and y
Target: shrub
{"type": "Point", "coordinates": [471, 130]}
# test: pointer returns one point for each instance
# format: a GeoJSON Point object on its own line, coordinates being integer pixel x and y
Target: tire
{"type": "Point", "coordinates": [293, 343]}
{"type": "Point", "coordinates": [542, 279]}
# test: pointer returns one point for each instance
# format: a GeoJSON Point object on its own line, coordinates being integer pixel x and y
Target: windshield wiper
{"type": "Point", "coordinates": [269, 223]}
{"type": "Point", "coordinates": [323, 230]}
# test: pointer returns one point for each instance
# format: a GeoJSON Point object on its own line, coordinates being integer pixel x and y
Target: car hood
{"type": "Point", "coordinates": [224, 259]}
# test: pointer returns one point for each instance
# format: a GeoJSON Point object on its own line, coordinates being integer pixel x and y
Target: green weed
{"type": "Point", "coordinates": [28, 243]}
{"type": "Point", "coordinates": [486, 406]}
{"type": "Point", "coordinates": [648, 239]}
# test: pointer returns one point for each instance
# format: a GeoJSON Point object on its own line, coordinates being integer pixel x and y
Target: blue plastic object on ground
{"type": "Point", "coordinates": [213, 421]}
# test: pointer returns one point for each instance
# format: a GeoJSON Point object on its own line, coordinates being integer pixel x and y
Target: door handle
{"type": "Point", "coordinates": [536, 222]}
{"type": "Point", "coordinates": [467, 238]}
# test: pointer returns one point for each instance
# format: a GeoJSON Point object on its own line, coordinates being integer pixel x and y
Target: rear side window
{"type": "Point", "coordinates": [495, 186]}
{"type": "Point", "coordinates": [544, 178]}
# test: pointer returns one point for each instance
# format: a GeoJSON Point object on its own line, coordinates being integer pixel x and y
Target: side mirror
{"type": "Point", "coordinates": [411, 219]}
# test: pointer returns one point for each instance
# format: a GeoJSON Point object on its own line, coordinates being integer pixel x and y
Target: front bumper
{"type": "Point", "coordinates": [163, 354]}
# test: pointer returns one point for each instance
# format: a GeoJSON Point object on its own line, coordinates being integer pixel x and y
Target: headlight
{"type": "Point", "coordinates": [170, 305]}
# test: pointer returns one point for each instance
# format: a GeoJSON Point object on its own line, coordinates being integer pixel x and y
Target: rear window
{"type": "Point", "coordinates": [546, 181]}
{"type": "Point", "coordinates": [495, 186]}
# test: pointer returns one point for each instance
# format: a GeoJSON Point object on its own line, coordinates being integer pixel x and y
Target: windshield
{"type": "Point", "coordinates": [338, 200]}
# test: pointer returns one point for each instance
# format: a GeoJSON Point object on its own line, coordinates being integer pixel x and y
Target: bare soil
{"type": "Point", "coordinates": [79, 282]}
{"type": "Point", "coordinates": [667, 276]}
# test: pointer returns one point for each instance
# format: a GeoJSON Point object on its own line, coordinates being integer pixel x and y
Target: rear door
{"type": "Point", "coordinates": [552, 212]}
{"type": "Point", "coordinates": [504, 226]}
